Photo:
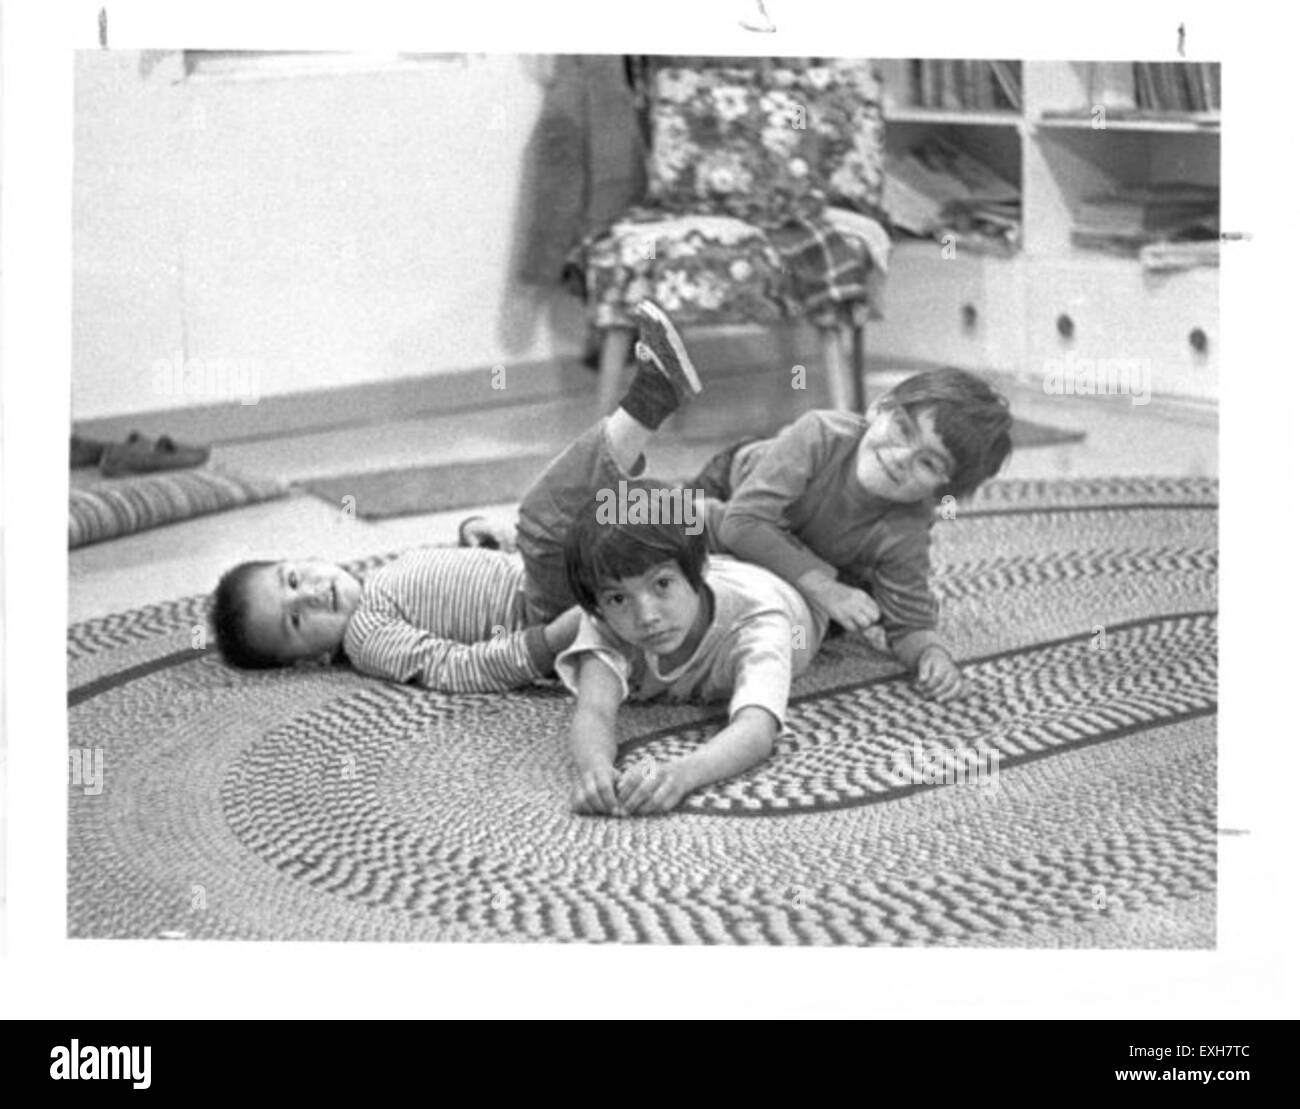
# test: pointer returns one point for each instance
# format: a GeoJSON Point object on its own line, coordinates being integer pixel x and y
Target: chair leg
{"type": "Point", "coordinates": [615, 346]}
{"type": "Point", "coordinates": [859, 363]}
{"type": "Point", "coordinates": [839, 374]}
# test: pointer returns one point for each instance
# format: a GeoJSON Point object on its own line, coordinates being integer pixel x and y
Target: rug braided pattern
{"type": "Point", "coordinates": [322, 805]}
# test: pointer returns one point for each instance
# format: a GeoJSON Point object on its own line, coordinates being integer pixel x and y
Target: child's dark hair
{"type": "Point", "coordinates": [599, 550]}
{"type": "Point", "coordinates": [971, 417]}
{"type": "Point", "coordinates": [228, 619]}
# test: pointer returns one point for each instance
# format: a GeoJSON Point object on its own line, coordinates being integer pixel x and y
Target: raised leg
{"type": "Point", "coordinates": [615, 346]}
{"type": "Point", "coordinates": [859, 367]}
{"type": "Point", "coordinates": [549, 507]}
{"type": "Point", "coordinates": [609, 452]}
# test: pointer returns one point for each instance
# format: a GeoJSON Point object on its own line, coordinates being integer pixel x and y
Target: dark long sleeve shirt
{"type": "Point", "coordinates": [796, 506]}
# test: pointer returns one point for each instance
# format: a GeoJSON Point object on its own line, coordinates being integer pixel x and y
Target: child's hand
{"type": "Point", "coordinates": [937, 676]}
{"type": "Point", "coordinates": [479, 531]}
{"type": "Point", "coordinates": [850, 607]}
{"type": "Point", "coordinates": [562, 631]}
{"type": "Point", "coordinates": [652, 787]}
{"type": "Point", "coordinates": [596, 792]}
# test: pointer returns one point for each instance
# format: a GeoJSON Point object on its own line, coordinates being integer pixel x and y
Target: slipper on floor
{"type": "Point", "coordinates": [86, 452]}
{"type": "Point", "coordinates": [141, 455]}
{"type": "Point", "coordinates": [90, 452]}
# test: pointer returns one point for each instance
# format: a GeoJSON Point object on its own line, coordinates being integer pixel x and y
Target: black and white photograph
{"type": "Point", "coordinates": [644, 496]}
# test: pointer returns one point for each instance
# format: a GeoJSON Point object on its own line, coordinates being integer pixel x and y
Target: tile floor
{"type": "Point", "coordinates": [187, 558]}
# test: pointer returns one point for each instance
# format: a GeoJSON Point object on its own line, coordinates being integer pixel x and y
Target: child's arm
{"type": "Point", "coordinates": [761, 666]}
{"type": "Point", "coordinates": [656, 787]}
{"type": "Point", "coordinates": [594, 736]}
{"type": "Point", "coordinates": [851, 608]}
{"type": "Point", "coordinates": [909, 613]}
{"type": "Point", "coordinates": [754, 523]}
{"type": "Point", "coordinates": [755, 526]}
{"type": "Point", "coordinates": [382, 644]}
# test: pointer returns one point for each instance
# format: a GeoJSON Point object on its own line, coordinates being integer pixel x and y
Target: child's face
{"type": "Point", "coordinates": [300, 609]}
{"type": "Point", "coordinates": [657, 611]}
{"type": "Point", "coordinates": [901, 458]}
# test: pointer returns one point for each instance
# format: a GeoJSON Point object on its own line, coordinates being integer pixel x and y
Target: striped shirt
{"type": "Point", "coordinates": [449, 618]}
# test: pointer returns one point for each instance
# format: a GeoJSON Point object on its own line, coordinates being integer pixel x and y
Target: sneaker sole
{"type": "Point", "coordinates": [663, 341]}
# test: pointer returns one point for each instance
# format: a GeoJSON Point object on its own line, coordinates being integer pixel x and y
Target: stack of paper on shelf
{"type": "Point", "coordinates": [1126, 220]}
{"type": "Point", "coordinates": [1159, 257]}
{"type": "Point", "coordinates": [936, 187]}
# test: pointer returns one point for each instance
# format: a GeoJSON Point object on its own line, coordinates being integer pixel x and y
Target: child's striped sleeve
{"type": "Point", "coordinates": [446, 619]}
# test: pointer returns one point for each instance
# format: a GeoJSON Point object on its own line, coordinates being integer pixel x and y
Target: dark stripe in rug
{"type": "Point", "coordinates": [85, 692]}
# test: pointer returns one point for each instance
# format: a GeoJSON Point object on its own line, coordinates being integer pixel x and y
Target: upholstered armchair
{"type": "Point", "coordinates": [764, 184]}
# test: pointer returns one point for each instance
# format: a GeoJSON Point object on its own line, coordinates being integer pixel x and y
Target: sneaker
{"type": "Point", "coordinates": [660, 343]}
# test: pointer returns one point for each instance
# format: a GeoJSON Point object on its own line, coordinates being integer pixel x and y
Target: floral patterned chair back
{"type": "Point", "coordinates": [765, 141]}
{"type": "Point", "coordinates": [764, 180]}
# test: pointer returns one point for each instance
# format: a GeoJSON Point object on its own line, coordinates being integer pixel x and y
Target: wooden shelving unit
{"type": "Point", "coordinates": [1051, 299]}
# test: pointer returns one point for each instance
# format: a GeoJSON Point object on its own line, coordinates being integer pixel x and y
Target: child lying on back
{"type": "Point", "coordinates": [451, 619]}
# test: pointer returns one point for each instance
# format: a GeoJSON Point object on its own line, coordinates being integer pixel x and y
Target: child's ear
{"type": "Point", "coordinates": [873, 410]}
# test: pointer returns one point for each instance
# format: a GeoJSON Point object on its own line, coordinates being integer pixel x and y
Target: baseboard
{"type": "Point", "coordinates": [720, 352]}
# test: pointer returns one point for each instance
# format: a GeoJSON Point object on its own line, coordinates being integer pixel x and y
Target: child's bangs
{"type": "Point", "coordinates": [621, 551]}
{"type": "Point", "coordinates": [600, 551]}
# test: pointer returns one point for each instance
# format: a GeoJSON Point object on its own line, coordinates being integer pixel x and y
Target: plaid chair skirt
{"type": "Point", "coordinates": [718, 269]}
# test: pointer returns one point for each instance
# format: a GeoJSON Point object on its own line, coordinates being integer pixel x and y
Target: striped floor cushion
{"type": "Point", "coordinates": [108, 508]}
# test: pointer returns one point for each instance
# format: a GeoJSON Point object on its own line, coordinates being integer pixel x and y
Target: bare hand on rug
{"type": "Point", "coordinates": [937, 676]}
{"type": "Point", "coordinates": [596, 793]}
{"type": "Point", "coordinates": [650, 787]}
{"type": "Point", "coordinates": [479, 531]}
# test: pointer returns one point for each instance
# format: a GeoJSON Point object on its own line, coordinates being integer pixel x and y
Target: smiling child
{"type": "Point", "coordinates": [841, 506]}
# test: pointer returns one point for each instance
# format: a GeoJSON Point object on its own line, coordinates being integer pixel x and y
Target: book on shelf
{"type": "Point", "coordinates": [969, 84]}
{"type": "Point", "coordinates": [1006, 78]}
{"type": "Point", "coordinates": [1113, 85]}
{"type": "Point", "coordinates": [1177, 86]}
{"type": "Point", "coordinates": [923, 76]}
{"type": "Point", "coordinates": [950, 96]}
{"type": "Point", "coordinates": [935, 187]}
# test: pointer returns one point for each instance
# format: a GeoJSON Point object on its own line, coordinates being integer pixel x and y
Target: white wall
{"type": "Point", "coordinates": [310, 231]}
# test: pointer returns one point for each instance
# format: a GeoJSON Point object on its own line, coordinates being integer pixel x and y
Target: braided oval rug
{"type": "Point", "coordinates": [1067, 800]}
